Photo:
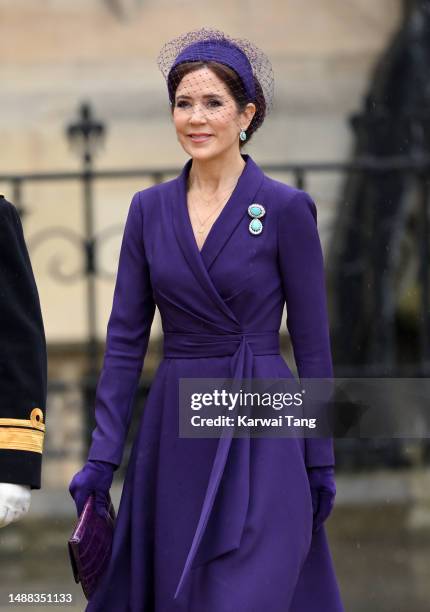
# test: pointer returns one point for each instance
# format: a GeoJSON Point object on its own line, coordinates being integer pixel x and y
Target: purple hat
{"type": "Point", "coordinates": [222, 51]}
{"type": "Point", "coordinates": [242, 56]}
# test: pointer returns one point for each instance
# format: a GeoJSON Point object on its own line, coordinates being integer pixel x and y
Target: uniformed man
{"type": "Point", "coordinates": [23, 371]}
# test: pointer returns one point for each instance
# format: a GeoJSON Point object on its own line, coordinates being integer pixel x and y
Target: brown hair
{"type": "Point", "coordinates": [234, 84]}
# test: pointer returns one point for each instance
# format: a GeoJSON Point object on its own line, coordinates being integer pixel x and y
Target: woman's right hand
{"type": "Point", "coordinates": [95, 477]}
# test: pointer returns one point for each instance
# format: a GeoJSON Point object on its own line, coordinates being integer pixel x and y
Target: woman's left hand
{"type": "Point", "coordinates": [323, 491]}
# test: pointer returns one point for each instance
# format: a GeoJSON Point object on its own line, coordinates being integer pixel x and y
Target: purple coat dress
{"type": "Point", "coordinates": [214, 524]}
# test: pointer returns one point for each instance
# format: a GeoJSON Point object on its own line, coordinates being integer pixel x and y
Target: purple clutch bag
{"type": "Point", "coordinates": [90, 545]}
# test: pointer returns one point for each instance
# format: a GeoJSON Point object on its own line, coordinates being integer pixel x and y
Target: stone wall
{"type": "Point", "coordinates": [56, 53]}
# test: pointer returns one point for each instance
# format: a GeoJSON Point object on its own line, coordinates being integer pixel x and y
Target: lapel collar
{"type": "Point", "coordinates": [234, 210]}
{"type": "Point", "coordinates": [187, 243]}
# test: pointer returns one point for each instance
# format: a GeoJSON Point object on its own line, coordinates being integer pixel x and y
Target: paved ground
{"type": "Point", "coordinates": [381, 548]}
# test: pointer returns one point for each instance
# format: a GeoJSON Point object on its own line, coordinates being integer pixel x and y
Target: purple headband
{"type": "Point", "coordinates": [221, 51]}
{"type": "Point", "coordinates": [249, 62]}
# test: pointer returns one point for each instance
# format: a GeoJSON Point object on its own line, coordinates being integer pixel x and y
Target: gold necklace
{"type": "Point", "coordinates": [200, 230]}
{"type": "Point", "coordinates": [216, 196]}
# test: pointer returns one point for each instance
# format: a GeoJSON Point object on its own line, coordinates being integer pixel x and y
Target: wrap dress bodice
{"type": "Point", "coordinates": [221, 310]}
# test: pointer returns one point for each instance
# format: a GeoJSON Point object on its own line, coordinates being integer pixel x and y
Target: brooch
{"type": "Point", "coordinates": [256, 211]}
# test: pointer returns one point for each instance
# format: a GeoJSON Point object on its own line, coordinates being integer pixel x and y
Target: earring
{"type": "Point", "coordinates": [242, 135]}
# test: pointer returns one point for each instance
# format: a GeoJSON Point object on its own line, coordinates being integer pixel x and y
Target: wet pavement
{"type": "Point", "coordinates": [381, 557]}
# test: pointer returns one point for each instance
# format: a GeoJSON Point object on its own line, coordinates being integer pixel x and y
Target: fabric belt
{"type": "Point", "coordinates": [232, 502]}
{"type": "Point", "coordinates": [179, 345]}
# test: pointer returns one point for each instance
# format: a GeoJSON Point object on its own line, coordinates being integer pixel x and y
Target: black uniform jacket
{"type": "Point", "coordinates": [23, 362]}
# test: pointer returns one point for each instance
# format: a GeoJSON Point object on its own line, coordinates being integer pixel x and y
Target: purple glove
{"type": "Point", "coordinates": [323, 491]}
{"type": "Point", "coordinates": [95, 477]}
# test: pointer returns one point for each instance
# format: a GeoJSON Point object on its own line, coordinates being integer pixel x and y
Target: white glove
{"type": "Point", "coordinates": [14, 502]}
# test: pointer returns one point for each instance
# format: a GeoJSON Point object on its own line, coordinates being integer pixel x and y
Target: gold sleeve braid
{"type": "Point", "coordinates": [23, 434]}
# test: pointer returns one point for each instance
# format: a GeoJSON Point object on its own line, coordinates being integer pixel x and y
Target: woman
{"type": "Point", "coordinates": [212, 525]}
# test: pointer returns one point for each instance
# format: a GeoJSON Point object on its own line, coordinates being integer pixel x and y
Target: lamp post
{"type": "Point", "coordinates": [86, 136]}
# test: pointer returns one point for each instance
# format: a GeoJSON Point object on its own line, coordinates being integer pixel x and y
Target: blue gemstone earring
{"type": "Point", "coordinates": [257, 212]}
{"type": "Point", "coordinates": [242, 135]}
